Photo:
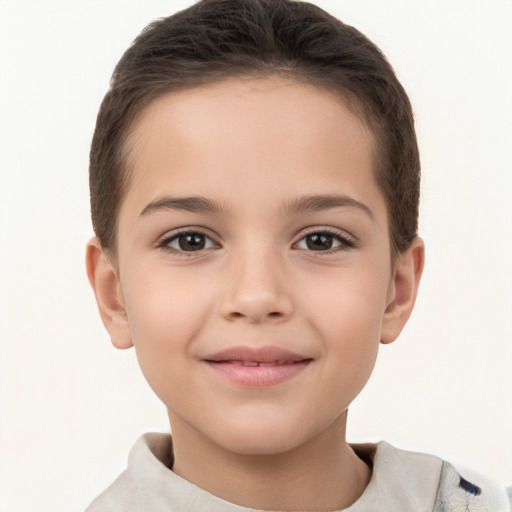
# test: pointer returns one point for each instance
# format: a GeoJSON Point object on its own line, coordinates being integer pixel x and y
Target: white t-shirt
{"type": "Point", "coordinates": [401, 481]}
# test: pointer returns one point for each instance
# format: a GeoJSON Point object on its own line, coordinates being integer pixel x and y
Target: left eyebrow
{"type": "Point", "coordinates": [193, 204]}
{"type": "Point", "coordinates": [326, 202]}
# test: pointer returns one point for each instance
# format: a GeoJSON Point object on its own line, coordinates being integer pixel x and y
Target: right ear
{"type": "Point", "coordinates": [109, 296]}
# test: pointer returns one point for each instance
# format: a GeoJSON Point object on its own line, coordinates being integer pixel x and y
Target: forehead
{"type": "Point", "coordinates": [272, 132]}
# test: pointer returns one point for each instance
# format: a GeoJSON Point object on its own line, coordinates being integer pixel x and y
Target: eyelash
{"type": "Point", "coordinates": [164, 244]}
{"type": "Point", "coordinates": [345, 242]}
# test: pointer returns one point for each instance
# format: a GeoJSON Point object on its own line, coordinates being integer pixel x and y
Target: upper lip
{"type": "Point", "coordinates": [266, 354]}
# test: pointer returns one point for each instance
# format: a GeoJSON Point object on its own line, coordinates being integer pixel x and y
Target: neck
{"type": "Point", "coordinates": [322, 474]}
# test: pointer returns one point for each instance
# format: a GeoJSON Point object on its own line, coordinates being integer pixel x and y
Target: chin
{"type": "Point", "coordinates": [251, 445]}
{"type": "Point", "coordinates": [260, 438]}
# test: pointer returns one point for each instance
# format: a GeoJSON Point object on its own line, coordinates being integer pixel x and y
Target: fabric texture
{"type": "Point", "coordinates": [401, 481]}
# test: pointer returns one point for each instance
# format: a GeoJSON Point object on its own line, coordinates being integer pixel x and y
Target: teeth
{"type": "Point", "coordinates": [270, 363]}
{"type": "Point", "coordinates": [255, 363]}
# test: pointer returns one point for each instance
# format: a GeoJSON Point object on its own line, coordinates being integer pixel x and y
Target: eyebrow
{"type": "Point", "coordinates": [199, 204]}
{"type": "Point", "coordinates": [317, 203]}
{"type": "Point", "coordinates": [195, 204]}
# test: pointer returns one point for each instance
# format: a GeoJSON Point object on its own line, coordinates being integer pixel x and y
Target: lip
{"type": "Point", "coordinates": [257, 367]}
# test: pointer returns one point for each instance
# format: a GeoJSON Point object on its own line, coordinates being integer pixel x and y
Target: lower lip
{"type": "Point", "coordinates": [258, 376]}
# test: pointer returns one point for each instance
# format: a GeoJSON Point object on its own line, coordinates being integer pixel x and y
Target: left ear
{"type": "Point", "coordinates": [403, 290]}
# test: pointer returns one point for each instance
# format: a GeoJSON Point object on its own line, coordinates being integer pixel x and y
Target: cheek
{"type": "Point", "coordinates": [163, 325]}
{"type": "Point", "coordinates": [349, 303]}
{"type": "Point", "coordinates": [351, 335]}
{"type": "Point", "coordinates": [351, 344]}
{"type": "Point", "coordinates": [346, 316]}
{"type": "Point", "coordinates": [163, 306]}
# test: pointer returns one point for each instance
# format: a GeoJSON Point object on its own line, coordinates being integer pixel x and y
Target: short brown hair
{"type": "Point", "coordinates": [218, 39]}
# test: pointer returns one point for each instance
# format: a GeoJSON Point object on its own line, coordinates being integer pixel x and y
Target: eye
{"type": "Point", "coordinates": [325, 241]}
{"type": "Point", "coordinates": [187, 241]}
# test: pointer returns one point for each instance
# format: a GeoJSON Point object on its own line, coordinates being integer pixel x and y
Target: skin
{"type": "Point", "coordinates": [254, 148]}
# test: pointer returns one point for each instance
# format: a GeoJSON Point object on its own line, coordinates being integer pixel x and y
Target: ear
{"type": "Point", "coordinates": [403, 290]}
{"type": "Point", "coordinates": [109, 296]}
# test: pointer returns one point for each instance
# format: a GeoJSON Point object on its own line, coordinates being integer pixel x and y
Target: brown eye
{"type": "Point", "coordinates": [319, 242]}
{"type": "Point", "coordinates": [191, 242]}
{"type": "Point", "coordinates": [324, 241]}
{"type": "Point", "coordinates": [188, 242]}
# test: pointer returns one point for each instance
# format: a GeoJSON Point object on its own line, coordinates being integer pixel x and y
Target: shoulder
{"type": "Point", "coordinates": [146, 468]}
{"type": "Point", "coordinates": [149, 484]}
{"type": "Point", "coordinates": [115, 498]}
{"type": "Point", "coordinates": [426, 482]}
{"type": "Point", "coordinates": [402, 481]}
{"type": "Point", "coordinates": [464, 489]}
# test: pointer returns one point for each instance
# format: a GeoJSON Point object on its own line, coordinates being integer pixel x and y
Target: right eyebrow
{"type": "Point", "coordinates": [193, 204]}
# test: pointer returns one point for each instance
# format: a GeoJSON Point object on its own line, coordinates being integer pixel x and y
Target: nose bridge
{"type": "Point", "coordinates": [257, 289]}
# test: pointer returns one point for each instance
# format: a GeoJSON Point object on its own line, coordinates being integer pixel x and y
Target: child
{"type": "Point", "coordinates": [254, 193]}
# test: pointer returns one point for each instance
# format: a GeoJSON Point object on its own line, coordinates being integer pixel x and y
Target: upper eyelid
{"type": "Point", "coordinates": [331, 230]}
{"type": "Point", "coordinates": [176, 232]}
{"type": "Point", "coordinates": [342, 233]}
{"type": "Point", "coordinates": [164, 242]}
{"type": "Point", "coordinates": [345, 240]}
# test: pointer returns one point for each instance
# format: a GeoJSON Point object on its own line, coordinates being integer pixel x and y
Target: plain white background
{"type": "Point", "coordinates": [71, 406]}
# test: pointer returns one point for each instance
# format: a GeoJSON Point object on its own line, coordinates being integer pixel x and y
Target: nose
{"type": "Point", "coordinates": [258, 289]}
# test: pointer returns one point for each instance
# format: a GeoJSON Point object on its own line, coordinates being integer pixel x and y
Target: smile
{"type": "Point", "coordinates": [257, 363]}
{"type": "Point", "coordinates": [261, 367]}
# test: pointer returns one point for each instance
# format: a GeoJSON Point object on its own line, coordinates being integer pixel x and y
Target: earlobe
{"type": "Point", "coordinates": [108, 292]}
{"type": "Point", "coordinates": [403, 290]}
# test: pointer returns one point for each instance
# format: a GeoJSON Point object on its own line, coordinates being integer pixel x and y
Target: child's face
{"type": "Point", "coordinates": [253, 232]}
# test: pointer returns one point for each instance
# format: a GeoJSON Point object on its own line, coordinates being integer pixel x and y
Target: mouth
{"type": "Point", "coordinates": [260, 367]}
{"type": "Point", "coordinates": [281, 362]}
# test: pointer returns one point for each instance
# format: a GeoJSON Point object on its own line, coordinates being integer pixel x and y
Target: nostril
{"type": "Point", "coordinates": [275, 314]}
